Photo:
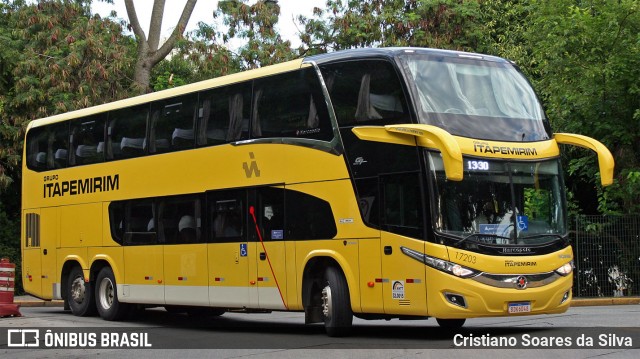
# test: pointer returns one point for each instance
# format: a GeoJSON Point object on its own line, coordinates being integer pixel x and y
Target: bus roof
{"type": "Point", "coordinates": [390, 52]}
{"type": "Point", "coordinates": [362, 53]}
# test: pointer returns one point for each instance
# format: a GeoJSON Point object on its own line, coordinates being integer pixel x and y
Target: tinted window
{"type": "Point", "coordinates": [139, 223]}
{"type": "Point", "coordinates": [116, 220]}
{"type": "Point", "coordinates": [39, 154]}
{"type": "Point", "coordinates": [87, 140]}
{"type": "Point", "coordinates": [172, 124]}
{"type": "Point", "coordinates": [225, 213]}
{"type": "Point", "coordinates": [223, 114]}
{"type": "Point", "coordinates": [308, 217]}
{"type": "Point", "coordinates": [270, 214]}
{"type": "Point", "coordinates": [369, 200]}
{"type": "Point", "coordinates": [365, 92]}
{"type": "Point", "coordinates": [290, 105]}
{"type": "Point", "coordinates": [402, 208]}
{"type": "Point", "coordinates": [180, 220]}
{"type": "Point", "coordinates": [48, 147]}
{"type": "Point", "coordinates": [127, 132]}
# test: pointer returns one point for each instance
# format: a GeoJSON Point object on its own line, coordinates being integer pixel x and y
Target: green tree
{"type": "Point", "coordinates": [198, 56]}
{"type": "Point", "coordinates": [255, 26]}
{"type": "Point", "coordinates": [587, 70]}
{"type": "Point", "coordinates": [450, 24]}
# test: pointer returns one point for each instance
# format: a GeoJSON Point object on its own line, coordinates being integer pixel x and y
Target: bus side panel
{"type": "Point", "coordinates": [81, 225]}
{"type": "Point", "coordinates": [50, 238]}
{"type": "Point", "coordinates": [31, 257]}
{"type": "Point", "coordinates": [292, 278]}
{"type": "Point", "coordinates": [143, 274]}
{"type": "Point", "coordinates": [370, 270]}
{"type": "Point", "coordinates": [403, 277]}
{"type": "Point", "coordinates": [186, 278]}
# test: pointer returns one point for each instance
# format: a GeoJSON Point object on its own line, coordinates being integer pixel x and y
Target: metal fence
{"type": "Point", "coordinates": [607, 256]}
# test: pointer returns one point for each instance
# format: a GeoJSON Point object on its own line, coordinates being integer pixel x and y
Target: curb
{"type": "Point", "coordinates": [578, 302]}
{"type": "Point", "coordinates": [586, 302]}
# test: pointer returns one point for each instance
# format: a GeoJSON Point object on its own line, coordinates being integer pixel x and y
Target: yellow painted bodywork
{"type": "Point", "coordinates": [75, 228]}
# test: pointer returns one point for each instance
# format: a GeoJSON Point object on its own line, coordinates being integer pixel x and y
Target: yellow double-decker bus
{"type": "Point", "coordinates": [380, 183]}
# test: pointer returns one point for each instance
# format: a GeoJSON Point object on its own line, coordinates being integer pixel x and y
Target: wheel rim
{"type": "Point", "coordinates": [107, 293]}
{"type": "Point", "coordinates": [326, 302]}
{"type": "Point", "coordinates": [77, 290]}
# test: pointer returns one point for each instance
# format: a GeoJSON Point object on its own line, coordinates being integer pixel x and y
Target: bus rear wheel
{"type": "Point", "coordinates": [80, 294]}
{"type": "Point", "coordinates": [336, 304]}
{"type": "Point", "coordinates": [450, 323]}
{"type": "Point", "coordinates": [107, 301]}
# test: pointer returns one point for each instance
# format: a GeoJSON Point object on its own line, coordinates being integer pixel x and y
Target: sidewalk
{"type": "Point", "coordinates": [29, 301]}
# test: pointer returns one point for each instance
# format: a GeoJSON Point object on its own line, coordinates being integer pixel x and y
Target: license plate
{"type": "Point", "coordinates": [522, 307]}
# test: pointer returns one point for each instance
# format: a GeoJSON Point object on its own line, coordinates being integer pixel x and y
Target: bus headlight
{"type": "Point", "coordinates": [566, 269]}
{"type": "Point", "coordinates": [440, 264]}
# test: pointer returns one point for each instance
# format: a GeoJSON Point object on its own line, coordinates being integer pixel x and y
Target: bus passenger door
{"type": "Point", "coordinates": [185, 251]}
{"type": "Point", "coordinates": [229, 253]}
{"type": "Point", "coordinates": [31, 253]}
{"type": "Point", "coordinates": [267, 227]}
{"type": "Point", "coordinates": [404, 287]}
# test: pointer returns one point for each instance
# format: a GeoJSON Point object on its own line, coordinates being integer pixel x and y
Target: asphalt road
{"type": "Point", "coordinates": [284, 335]}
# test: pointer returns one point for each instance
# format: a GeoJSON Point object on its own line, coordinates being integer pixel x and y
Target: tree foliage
{"type": "Point", "coordinates": [254, 25]}
{"type": "Point", "coordinates": [587, 70]}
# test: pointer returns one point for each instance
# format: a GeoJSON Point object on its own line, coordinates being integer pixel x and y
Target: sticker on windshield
{"type": "Point", "coordinates": [488, 228]}
{"type": "Point", "coordinates": [523, 222]}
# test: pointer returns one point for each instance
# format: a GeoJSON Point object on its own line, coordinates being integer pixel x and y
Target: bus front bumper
{"type": "Point", "coordinates": [451, 297]}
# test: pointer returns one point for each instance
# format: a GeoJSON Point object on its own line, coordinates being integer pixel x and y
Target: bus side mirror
{"type": "Point", "coordinates": [605, 158]}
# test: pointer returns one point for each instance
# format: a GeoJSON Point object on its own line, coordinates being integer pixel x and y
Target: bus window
{"type": "Point", "coordinates": [225, 213]}
{"type": "Point", "coordinates": [402, 204]}
{"type": "Point", "coordinates": [290, 105]}
{"type": "Point", "coordinates": [140, 223]}
{"type": "Point", "coordinates": [59, 144]}
{"type": "Point", "coordinates": [365, 93]}
{"type": "Point", "coordinates": [223, 115]}
{"type": "Point", "coordinates": [87, 140]}
{"type": "Point", "coordinates": [180, 220]}
{"type": "Point", "coordinates": [38, 152]}
{"type": "Point", "coordinates": [126, 132]}
{"type": "Point", "coordinates": [308, 217]}
{"type": "Point", "coordinates": [172, 124]}
{"type": "Point", "coordinates": [270, 213]}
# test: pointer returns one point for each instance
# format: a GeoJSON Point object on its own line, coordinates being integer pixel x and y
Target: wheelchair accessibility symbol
{"type": "Point", "coordinates": [523, 223]}
{"type": "Point", "coordinates": [243, 249]}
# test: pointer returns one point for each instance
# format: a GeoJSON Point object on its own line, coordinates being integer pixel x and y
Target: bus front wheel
{"type": "Point", "coordinates": [336, 304]}
{"type": "Point", "coordinates": [80, 294]}
{"type": "Point", "coordinates": [107, 301]}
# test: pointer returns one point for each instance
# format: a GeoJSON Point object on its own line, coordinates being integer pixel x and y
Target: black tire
{"type": "Point", "coordinates": [107, 301]}
{"type": "Point", "coordinates": [336, 304]}
{"type": "Point", "coordinates": [80, 294]}
{"type": "Point", "coordinates": [450, 323]}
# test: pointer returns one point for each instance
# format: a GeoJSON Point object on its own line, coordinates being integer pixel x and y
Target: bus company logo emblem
{"type": "Point", "coordinates": [397, 290]}
{"type": "Point", "coordinates": [521, 282]}
{"type": "Point", "coordinates": [359, 161]}
{"type": "Point", "coordinates": [251, 169]}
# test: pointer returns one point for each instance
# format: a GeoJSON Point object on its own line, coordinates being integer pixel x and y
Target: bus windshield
{"type": "Point", "coordinates": [476, 98]}
{"type": "Point", "coordinates": [499, 202]}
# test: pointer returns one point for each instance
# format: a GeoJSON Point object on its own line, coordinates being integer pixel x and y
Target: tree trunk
{"type": "Point", "coordinates": [149, 51]}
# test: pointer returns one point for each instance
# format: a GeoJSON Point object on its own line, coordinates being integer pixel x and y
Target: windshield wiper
{"type": "Point", "coordinates": [542, 235]}
{"type": "Point", "coordinates": [480, 235]}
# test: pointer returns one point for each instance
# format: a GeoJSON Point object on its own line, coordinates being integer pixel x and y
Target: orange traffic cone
{"type": "Point", "coordinates": [7, 284]}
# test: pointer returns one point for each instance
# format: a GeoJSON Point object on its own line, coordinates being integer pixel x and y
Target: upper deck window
{"type": "Point", "coordinates": [475, 98]}
{"type": "Point", "coordinates": [365, 93]}
{"type": "Point", "coordinates": [290, 105]}
{"type": "Point", "coordinates": [47, 147]}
